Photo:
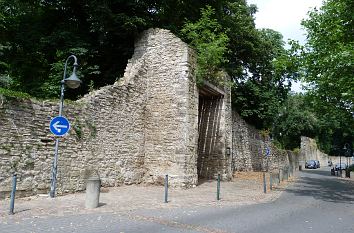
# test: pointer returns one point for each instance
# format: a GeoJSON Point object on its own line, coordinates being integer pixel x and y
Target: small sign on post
{"type": "Point", "coordinates": [59, 126]}
{"type": "Point", "coordinates": [267, 151]}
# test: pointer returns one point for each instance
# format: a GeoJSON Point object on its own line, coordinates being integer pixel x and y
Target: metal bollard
{"type": "Point", "coordinates": [93, 192]}
{"type": "Point", "coordinates": [270, 181]}
{"type": "Point", "coordinates": [13, 192]}
{"type": "Point", "coordinates": [264, 183]}
{"type": "Point", "coordinates": [166, 189]}
{"type": "Point", "coordinates": [286, 173]}
{"type": "Point", "coordinates": [218, 188]}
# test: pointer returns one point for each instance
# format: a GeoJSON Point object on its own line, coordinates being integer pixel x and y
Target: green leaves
{"type": "Point", "coordinates": [328, 56]}
{"type": "Point", "coordinates": [295, 118]}
{"type": "Point", "coordinates": [327, 63]}
{"type": "Point", "coordinates": [210, 43]}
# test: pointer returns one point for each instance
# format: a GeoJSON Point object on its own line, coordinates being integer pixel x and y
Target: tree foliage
{"type": "Point", "coordinates": [300, 116]}
{"type": "Point", "coordinates": [295, 118]}
{"type": "Point", "coordinates": [38, 35]}
{"type": "Point", "coordinates": [210, 43]}
{"type": "Point", "coordinates": [328, 56]}
{"type": "Point", "coordinates": [327, 64]}
{"type": "Point", "coordinates": [265, 85]}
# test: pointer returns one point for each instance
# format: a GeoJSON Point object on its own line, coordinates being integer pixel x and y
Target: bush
{"type": "Point", "coordinates": [17, 94]}
{"type": "Point", "coordinates": [210, 42]}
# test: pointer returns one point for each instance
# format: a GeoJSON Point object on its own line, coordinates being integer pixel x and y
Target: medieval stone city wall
{"type": "Point", "coordinates": [250, 150]}
{"type": "Point", "coordinates": [135, 131]}
{"type": "Point", "coordinates": [310, 151]}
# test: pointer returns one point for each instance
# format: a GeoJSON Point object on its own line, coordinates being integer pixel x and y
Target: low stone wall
{"type": "Point", "coordinates": [25, 147]}
{"type": "Point", "coordinates": [112, 144]}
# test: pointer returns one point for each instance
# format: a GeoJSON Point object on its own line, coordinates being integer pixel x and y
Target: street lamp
{"type": "Point", "coordinates": [72, 82]}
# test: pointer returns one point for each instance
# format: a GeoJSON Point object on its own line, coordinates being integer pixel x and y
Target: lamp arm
{"type": "Point", "coordinates": [66, 64]}
{"type": "Point", "coordinates": [62, 88]}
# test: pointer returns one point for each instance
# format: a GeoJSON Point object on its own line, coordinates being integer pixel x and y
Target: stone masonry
{"type": "Point", "coordinates": [152, 122]}
{"type": "Point", "coordinates": [310, 151]}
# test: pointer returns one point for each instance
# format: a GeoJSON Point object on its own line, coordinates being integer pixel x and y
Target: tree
{"type": "Point", "coordinates": [207, 38]}
{"type": "Point", "coordinates": [38, 35]}
{"type": "Point", "coordinates": [335, 125]}
{"type": "Point", "coordinates": [259, 94]}
{"type": "Point", "coordinates": [295, 118]}
{"type": "Point", "coordinates": [327, 61]}
{"type": "Point", "coordinates": [329, 53]}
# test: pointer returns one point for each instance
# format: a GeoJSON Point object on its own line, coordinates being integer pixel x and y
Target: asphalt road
{"type": "Point", "coordinates": [316, 202]}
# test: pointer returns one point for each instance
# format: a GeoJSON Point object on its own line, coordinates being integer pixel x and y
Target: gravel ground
{"type": "Point", "coordinates": [244, 189]}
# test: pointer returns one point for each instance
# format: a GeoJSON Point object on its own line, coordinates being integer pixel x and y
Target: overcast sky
{"type": "Point", "coordinates": [285, 17]}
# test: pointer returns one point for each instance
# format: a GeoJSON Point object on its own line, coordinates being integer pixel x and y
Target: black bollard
{"type": "Point", "coordinates": [270, 181]}
{"type": "Point", "coordinates": [218, 188]}
{"type": "Point", "coordinates": [13, 192]}
{"type": "Point", "coordinates": [264, 183]}
{"type": "Point", "coordinates": [166, 188]}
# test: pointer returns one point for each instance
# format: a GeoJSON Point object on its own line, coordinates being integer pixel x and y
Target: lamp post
{"type": "Point", "coordinates": [72, 82]}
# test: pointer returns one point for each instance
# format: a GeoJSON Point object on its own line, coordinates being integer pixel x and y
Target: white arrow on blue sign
{"type": "Point", "coordinates": [59, 126]}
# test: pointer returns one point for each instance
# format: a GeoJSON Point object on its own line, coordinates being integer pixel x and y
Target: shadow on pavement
{"type": "Point", "coordinates": [101, 204]}
{"type": "Point", "coordinates": [21, 210]}
{"type": "Point", "coordinates": [318, 172]}
{"type": "Point", "coordinates": [321, 185]}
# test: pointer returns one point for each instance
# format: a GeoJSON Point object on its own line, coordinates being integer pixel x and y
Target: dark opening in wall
{"type": "Point", "coordinates": [209, 116]}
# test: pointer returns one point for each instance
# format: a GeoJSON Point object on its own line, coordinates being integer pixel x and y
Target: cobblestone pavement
{"type": "Point", "coordinates": [240, 191]}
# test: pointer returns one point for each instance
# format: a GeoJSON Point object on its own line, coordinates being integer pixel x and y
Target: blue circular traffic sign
{"type": "Point", "coordinates": [267, 151]}
{"type": "Point", "coordinates": [59, 126]}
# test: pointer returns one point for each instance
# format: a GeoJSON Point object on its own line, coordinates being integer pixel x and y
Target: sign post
{"type": "Point", "coordinates": [59, 126]}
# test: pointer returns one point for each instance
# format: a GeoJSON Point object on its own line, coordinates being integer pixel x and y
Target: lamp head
{"type": "Point", "coordinates": [73, 81]}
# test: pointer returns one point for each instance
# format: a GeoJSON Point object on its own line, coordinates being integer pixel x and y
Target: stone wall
{"type": "Point", "coordinates": [309, 151]}
{"type": "Point", "coordinates": [25, 144]}
{"type": "Point", "coordinates": [154, 121]}
{"type": "Point", "coordinates": [136, 130]}
{"type": "Point", "coordinates": [246, 146]}
{"type": "Point", "coordinates": [170, 107]}
{"type": "Point", "coordinates": [249, 151]}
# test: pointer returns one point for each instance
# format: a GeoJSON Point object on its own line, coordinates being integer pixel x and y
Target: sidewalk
{"type": "Point", "coordinates": [243, 190]}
